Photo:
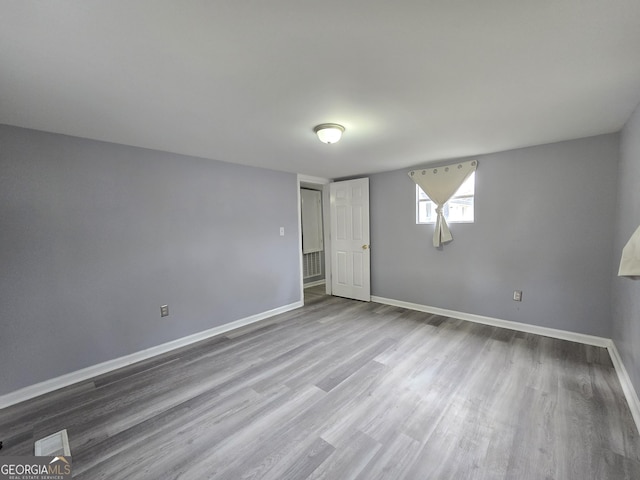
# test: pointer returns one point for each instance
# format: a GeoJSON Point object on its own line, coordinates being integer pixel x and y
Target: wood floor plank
{"type": "Point", "coordinates": [306, 462]}
{"type": "Point", "coordinates": [342, 389]}
{"type": "Point", "coordinates": [353, 364]}
{"type": "Point", "coordinates": [347, 461]}
{"type": "Point", "coordinates": [393, 460]}
{"type": "Point", "coordinates": [165, 424]}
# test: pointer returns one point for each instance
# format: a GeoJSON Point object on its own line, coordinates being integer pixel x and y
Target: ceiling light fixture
{"type": "Point", "coordinates": [329, 132]}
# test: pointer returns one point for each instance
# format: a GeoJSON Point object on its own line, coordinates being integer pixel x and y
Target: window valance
{"type": "Point", "coordinates": [440, 184]}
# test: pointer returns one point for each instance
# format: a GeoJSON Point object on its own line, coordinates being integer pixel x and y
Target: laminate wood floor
{"type": "Point", "coordinates": [339, 390]}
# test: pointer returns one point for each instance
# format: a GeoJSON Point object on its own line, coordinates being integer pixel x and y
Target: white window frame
{"type": "Point", "coordinates": [445, 209]}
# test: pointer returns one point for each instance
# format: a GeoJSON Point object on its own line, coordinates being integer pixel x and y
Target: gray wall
{"type": "Point", "coordinates": [626, 291]}
{"type": "Point", "coordinates": [94, 237]}
{"type": "Point", "coordinates": [544, 223]}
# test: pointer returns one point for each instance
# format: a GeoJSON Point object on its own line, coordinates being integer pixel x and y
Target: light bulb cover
{"type": "Point", "coordinates": [329, 132]}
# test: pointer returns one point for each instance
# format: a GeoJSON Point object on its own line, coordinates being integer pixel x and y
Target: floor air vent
{"type": "Point", "coordinates": [53, 445]}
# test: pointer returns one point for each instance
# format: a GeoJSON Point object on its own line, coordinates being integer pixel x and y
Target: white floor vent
{"type": "Point", "coordinates": [53, 445]}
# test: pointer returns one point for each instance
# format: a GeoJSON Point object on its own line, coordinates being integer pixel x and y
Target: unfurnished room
{"type": "Point", "coordinates": [296, 240]}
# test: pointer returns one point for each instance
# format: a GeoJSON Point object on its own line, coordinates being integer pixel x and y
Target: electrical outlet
{"type": "Point", "coordinates": [517, 295]}
{"type": "Point", "coordinates": [164, 311]}
{"type": "Point", "coordinates": [282, 231]}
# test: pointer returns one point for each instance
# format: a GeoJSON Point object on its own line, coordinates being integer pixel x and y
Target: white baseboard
{"type": "Point", "coordinates": [67, 379]}
{"type": "Point", "coordinates": [315, 284]}
{"type": "Point", "coordinates": [625, 381]}
{"type": "Point", "coordinates": [496, 322]}
{"type": "Point", "coordinates": [627, 387]}
{"type": "Point", "coordinates": [47, 386]}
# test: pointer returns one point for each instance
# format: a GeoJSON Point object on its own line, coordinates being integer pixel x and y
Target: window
{"type": "Point", "coordinates": [457, 210]}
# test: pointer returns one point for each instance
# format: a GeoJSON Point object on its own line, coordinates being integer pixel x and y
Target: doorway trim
{"type": "Point", "coordinates": [322, 184]}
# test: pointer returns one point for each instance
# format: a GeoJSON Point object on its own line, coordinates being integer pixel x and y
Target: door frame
{"type": "Point", "coordinates": [322, 184]}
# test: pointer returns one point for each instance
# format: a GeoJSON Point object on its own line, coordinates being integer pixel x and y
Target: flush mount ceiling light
{"type": "Point", "coordinates": [329, 132]}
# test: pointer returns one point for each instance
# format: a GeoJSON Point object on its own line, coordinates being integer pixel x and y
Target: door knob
{"type": "Point", "coordinates": [364, 247]}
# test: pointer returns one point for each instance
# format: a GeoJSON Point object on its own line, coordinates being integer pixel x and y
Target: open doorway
{"type": "Point", "coordinates": [313, 207]}
{"type": "Point", "coordinates": [313, 269]}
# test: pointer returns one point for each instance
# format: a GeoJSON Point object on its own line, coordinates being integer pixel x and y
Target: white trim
{"type": "Point", "coordinates": [315, 284]}
{"type": "Point", "coordinates": [326, 225]}
{"type": "Point", "coordinates": [67, 379]}
{"type": "Point", "coordinates": [496, 322]}
{"type": "Point", "coordinates": [300, 259]}
{"type": "Point", "coordinates": [312, 179]}
{"type": "Point", "coordinates": [625, 381]}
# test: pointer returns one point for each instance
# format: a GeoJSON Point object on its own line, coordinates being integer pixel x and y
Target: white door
{"type": "Point", "coordinates": [350, 258]}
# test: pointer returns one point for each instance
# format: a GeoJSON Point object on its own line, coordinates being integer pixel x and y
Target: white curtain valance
{"type": "Point", "coordinates": [630, 261]}
{"type": "Point", "coordinates": [440, 184]}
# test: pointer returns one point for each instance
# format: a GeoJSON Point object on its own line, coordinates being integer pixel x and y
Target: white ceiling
{"type": "Point", "coordinates": [246, 81]}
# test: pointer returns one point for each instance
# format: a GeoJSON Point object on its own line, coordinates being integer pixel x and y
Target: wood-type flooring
{"type": "Point", "coordinates": [339, 390]}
